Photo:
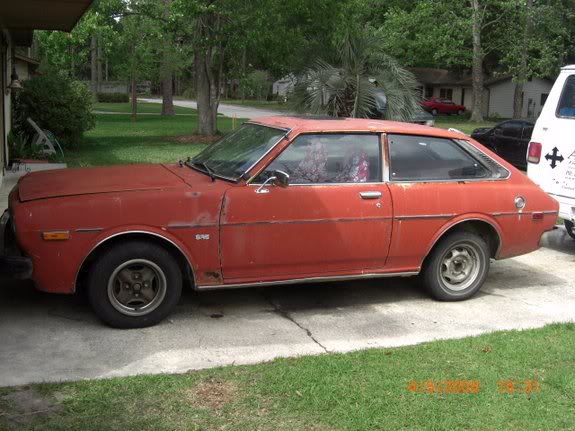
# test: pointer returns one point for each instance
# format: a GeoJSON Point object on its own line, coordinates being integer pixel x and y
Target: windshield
{"type": "Point", "coordinates": [234, 154]}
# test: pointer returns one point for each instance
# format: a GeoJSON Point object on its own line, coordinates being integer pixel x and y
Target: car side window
{"type": "Point", "coordinates": [424, 158]}
{"type": "Point", "coordinates": [566, 108]}
{"type": "Point", "coordinates": [511, 129]}
{"type": "Point", "coordinates": [329, 158]}
{"type": "Point", "coordinates": [527, 131]}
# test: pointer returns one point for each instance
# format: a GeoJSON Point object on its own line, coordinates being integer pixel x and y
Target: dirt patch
{"type": "Point", "coordinates": [194, 139]}
{"type": "Point", "coordinates": [25, 405]}
{"type": "Point", "coordinates": [212, 394]}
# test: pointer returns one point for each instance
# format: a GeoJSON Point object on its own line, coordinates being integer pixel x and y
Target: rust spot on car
{"type": "Point", "coordinates": [213, 275]}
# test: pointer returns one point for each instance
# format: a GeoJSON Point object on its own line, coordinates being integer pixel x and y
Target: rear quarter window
{"type": "Point", "coordinates": [566, 107]}
{"type": "Point", "coordinates": [424, 158]}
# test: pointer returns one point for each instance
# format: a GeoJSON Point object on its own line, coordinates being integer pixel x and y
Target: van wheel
{"type": "Point", "coordinates": [457, 267]}
{"type": "Point", "coordinates": [569, 227]}
{"type": "Point", "coordinates": [134, 285]}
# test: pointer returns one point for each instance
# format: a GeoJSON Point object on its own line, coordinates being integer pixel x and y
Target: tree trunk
{"type": "Point", "coordinates": [99, 63]}
{"type": "Point", "coordinates": [243, 84]}
{"type": "Point", "coordinates": [522, 72]}
{"type": "Point", "coordinates": [206, 101]}
{"type": "Point", "coordinates": [166, 70]}
{"type": "Point", "coordinates": [477, 65]}
{"type": "Point", "coordinates": [93, 66]}
{"type": "Point", "coordinates": [134, 96]}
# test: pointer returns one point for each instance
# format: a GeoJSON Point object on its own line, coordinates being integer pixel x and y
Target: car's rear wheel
{"type": "Point", "coordinates": [457, 267]}
{"type": "Point", "coordinates": [460, 112]}
{"type": "Point", "coordinates": [134, 285]}
{"type": "Point", "coordinates": [570, 228]}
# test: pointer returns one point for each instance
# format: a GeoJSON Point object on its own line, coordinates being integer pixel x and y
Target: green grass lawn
{"type": "Point", "coordinates": [460, 123]}
{"type": "Point", "coordinates": [153, 138]}
{"type": "Point", "coordinates": [364, 390]}
{"type": "Point", "coordinates": [261, 104]}
{"type": "Point", "coordinates": [150, 139]}
{"type": "Point", "coordinates": [143, 108]}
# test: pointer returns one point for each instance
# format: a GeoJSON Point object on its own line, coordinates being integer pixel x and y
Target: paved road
{"type": "Point", "coordinates": [225, 109]}
{"type": "Point", "coordinates": [51, 338]}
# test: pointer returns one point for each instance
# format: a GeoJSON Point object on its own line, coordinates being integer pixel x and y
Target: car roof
{"type": "Point", "coordinates": [304, 124]}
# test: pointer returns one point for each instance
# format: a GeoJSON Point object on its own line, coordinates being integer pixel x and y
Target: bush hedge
{"type": "Point", "coordinates": [56, 103]}
{"type": "Point", "coordinates": [113, 97]}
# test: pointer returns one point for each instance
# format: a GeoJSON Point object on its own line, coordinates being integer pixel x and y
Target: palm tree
{"type": "Point", "coordinates": [348, 88]}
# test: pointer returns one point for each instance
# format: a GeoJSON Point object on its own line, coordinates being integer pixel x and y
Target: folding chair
{"type": "Point", "coordinates": [44, 139]}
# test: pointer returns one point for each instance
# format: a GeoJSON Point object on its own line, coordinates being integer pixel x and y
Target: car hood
{"type": "Point", "coordinates": [82, 181]}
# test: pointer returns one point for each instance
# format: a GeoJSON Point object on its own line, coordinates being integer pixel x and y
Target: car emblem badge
{"type": "Point", "coordinates": [554, 157]}
{"type": "Point", "coordinates": [202, 236]}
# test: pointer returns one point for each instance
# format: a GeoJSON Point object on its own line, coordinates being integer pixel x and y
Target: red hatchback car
{"type": "Point", "coordinates": [442, 106]}
{"type": "Point", "coordinates": [281, 200]}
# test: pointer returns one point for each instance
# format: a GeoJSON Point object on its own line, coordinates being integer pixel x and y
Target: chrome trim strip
{"type": "Point", "coordinates": [189, 226]}
{"type": "Point", "coordinates": [307, 280]}
{"type": "Point", "coordinates": [514, 213]}
{"type": "Point", "coordinates": [423, 216]}
{"type": "Point", "coordinates": [89, 230]}
{"type": "Point", "coordinates": [127, 233]}
{"type": "Point", "coordinates": [308, 221]}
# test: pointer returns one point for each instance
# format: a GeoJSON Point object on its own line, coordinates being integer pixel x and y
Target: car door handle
{"type": "Point", "coordinates": [370, 195]}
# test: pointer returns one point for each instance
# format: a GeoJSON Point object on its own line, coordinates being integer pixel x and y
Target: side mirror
{"type": "Point", "coordinates": [281, 179]}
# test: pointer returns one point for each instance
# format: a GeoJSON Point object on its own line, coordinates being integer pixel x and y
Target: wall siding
{"type": "Point", "coordinates": [501, 100]}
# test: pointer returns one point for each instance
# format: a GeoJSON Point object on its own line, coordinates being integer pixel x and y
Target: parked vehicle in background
{"type": "Point", "coordinates": [442, 106]}
{"type": "Point", "coordinates": [551, 152]}
{"type": "Point", "coordinates": [281, 200]}
{"type": "Point", "coordinates": [422, 117]}
{"type": "Point", "coordinates": [509, 139]}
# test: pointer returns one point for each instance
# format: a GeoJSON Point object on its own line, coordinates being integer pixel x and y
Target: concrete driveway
{"type": "Point", "coordinates": [51, 338]}
{"type": "Point", "coordinates": [228, 110]}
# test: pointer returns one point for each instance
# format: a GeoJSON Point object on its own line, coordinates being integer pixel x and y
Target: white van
{"type": "Point", "coordinates": [551, 152]}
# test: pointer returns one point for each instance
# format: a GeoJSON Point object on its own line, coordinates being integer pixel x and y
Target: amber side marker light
{"type": "Point", "coordinates": [56, 235]}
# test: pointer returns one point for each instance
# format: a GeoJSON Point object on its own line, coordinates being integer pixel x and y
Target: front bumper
{"type": "Point", "coordinates": [12, 265]}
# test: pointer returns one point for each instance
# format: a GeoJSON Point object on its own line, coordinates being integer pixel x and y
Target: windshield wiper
{"type": "Point", "coordinates": [203, 166]}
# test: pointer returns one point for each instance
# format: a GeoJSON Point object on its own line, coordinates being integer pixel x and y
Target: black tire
{"type": "Point", "coordinates": [569, 228]}
{"type": "Point", "coordinates": [434, 112]}
{"type": "Point", "coordinates": [460, 112]}
{"type": "Point", "coordinates": [460, 249]}
{"type": "Point", "coordinates": [159, 277]}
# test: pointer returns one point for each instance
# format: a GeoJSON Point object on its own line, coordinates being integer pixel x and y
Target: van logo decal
{"type": "Point", "coordinates": [554, 157]}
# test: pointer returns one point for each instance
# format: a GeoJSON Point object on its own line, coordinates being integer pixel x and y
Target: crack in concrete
{"type": "Point", "coordinates": [286, 315]}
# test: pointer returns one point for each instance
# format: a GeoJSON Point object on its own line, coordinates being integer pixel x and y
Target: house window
{"type": "Point", "coordinates": [446, 93]}
{"type": "Point", "coordinates": [428, 92]}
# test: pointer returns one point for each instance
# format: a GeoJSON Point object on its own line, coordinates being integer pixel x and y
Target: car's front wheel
{"type": "Point", "coordinates": [457, 267]}
{"type": "Point", "coordinates": [134, 285]}
{"type": "Point", "coordinates": [434, 112]}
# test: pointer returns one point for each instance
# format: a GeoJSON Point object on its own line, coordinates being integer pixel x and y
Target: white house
{"type": "Point", "coordinates": [501, 92]}
{"type": "Point", "coordinates": [18, 19]}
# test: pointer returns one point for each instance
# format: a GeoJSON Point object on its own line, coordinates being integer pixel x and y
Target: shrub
{"type": "Point", "coordinates": [55, 103]}
{"type": "Point", "coordinates": [113, 97]}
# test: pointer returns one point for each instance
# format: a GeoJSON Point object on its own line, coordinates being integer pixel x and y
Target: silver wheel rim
{"type": "Point", "coordinates": [137, 287]}
{"type": "Point", "coordinates": [460, 266]}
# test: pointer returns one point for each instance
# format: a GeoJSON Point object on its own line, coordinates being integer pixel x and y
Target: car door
{"type": "Point", "coordinates": [334, 218]}
{"type": "Point", "coordinates": [507, 140]}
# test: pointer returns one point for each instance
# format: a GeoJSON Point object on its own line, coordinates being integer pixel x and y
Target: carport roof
{"type": "Point", "coordinates": [41, 14]}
